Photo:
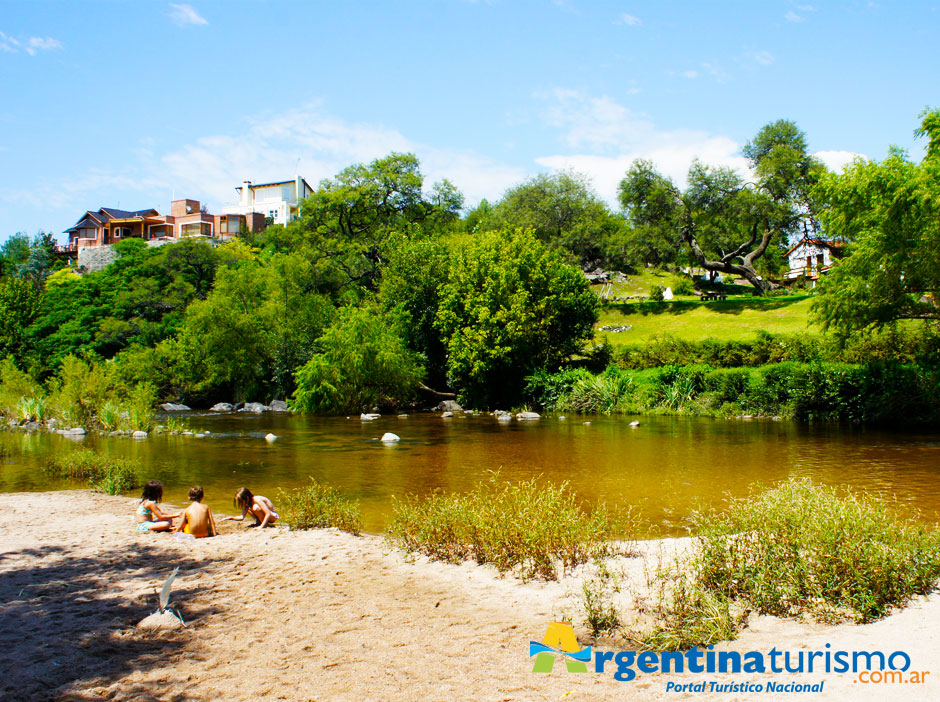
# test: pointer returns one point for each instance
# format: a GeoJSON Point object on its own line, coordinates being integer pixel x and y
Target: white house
{"type": "Point", "coordinates": [280, 201]}
{"type": "Point", "coordinates": [811, 258]}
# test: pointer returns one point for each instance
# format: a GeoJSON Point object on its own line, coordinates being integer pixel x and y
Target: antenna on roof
{"type": "Point", "coordinates": [297, 168]}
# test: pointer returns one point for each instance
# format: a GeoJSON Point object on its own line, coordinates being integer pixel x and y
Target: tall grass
{"type": "Point", "coordinates": [319, 506]}
{"type": "Point", "coordinates": [800, 547]}
{"type": "Point", "coordinates": [529, 527]}
{"type": "Point", "coordinates": [101, 473]}
{"type": "Point", "coordinates": [602, 393]}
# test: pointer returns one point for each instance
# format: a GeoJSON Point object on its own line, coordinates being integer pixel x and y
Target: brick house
{"type": "Point", "coordinates": [109, 225]}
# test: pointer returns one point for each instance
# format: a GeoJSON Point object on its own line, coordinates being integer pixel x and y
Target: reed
{"type": "Point", "coordinates": [319, 506]}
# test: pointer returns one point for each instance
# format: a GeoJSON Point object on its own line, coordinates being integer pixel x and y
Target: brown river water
{"type": "Point", "coordinates": [666, 468]}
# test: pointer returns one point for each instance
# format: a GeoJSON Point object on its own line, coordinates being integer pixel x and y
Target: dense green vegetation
{"type": "Point", "coordinates": [531, 528]}
{"type": "Point", "coordinates": [319, 506]}
{"type": "Point", "coordinates": [383, 294]}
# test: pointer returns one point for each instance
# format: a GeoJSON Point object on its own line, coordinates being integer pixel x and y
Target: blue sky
{"type": "Point", "coordinates": [128, 104]}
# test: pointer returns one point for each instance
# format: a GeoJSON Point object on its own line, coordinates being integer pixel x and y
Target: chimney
{"type": "Point", "coordinates": [246, 193]}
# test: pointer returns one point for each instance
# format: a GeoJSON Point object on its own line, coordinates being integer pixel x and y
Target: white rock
{"type": "Point", "coordinates": [635, 423]}
{"type": "Point", "coordinates": [447, 415]}
{"type": "Point", "coordinates": [505, 417]}
{"type": "Point", "coordinates": [369, 416]}
{"type": "Point", "coordinates": [562, 418]}
{"type": "Point", "coordinates": [270, 437]}
{"type": "Point", "coordinates": [139, 435]}
{"type": "Point", "coordinates": [390, 438]}
{"type": "Point", "coordinates": [75, 431]}
{"type": "Point", "coordinates": [528, 415]}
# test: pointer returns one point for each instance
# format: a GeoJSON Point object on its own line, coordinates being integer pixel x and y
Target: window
{"type": "Point", "coordinates": [231, 225]}
{"type": "Point", "coordinates": [196, 229]}
{"type": "Point", "coordinates": [121, 231]}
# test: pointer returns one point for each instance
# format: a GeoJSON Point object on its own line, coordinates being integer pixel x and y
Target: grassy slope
{"type": "Point", "coordinates": [737, 318]}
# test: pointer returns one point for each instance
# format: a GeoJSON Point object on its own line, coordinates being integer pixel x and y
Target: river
{"type": "Point", "coordinates": [666, 468]}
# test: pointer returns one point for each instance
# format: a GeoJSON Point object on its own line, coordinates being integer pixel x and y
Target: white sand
{"type": "Point", "coordinates": [323, 615]}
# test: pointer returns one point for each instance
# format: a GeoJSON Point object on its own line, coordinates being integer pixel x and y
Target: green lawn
{"type": "Point", "coordinates": [738, 318]}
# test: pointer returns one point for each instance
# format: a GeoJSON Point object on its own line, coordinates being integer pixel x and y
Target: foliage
{"type": "Point", "coordinates": [319, 506]}
{"type": "Point", "coordinates": [529, 527]}
{"type": "Point", "coordinates": [19, 304]}
{"type": "Point", "coordinates": [80, 390]}
{"type": "Point", "coordinates": [603, 393]}
{"type": "Point", "coordinates": [363, 361]}
{"type": "Point", "coordinates": [14, 386]}
{"type": "Point", "coordinates": [509, 307]}
{"type": "Point", "coordinates": [563, 212]}
{"type": "Point", "coordinates": [346, 225]}
{"type": "Point", "coordinates": [800, 547]}
{"type": "Point", "coordinates": [102, 473]}
{"type": "Point", "coordinates": [728, 224]}
{"type": "Point", "coordinates": [657, 293]}
{"type": "Point", "coordinates": [597, 596]}
{"type": "Point", "coordinates": [890, 212]}
{"type": "Point", "coordinates": [684, 614]}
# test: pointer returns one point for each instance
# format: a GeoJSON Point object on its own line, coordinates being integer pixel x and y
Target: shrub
{"type": "Point", "coordinates": [102, 473]}
{"type": "Point", "coordinates": [682, 285]}
{"type": "Point", "coordinates": [598, 393]}
{"type": "Point", "coordinates": [685, 614]}
{"type": "Point", "coordinates": [529, 527]}
{"type": "Point", "coordinates": [600, 610]}
{"type": "Point", "coordinates": [140, 402]}
{"type": "Point", "coordinates": [319, 506]}
{"type": "Point", "coordinates": [544, 390]}
{"type": "Point", "coordinates": [800, 547]}
{"type": "Point", "coordinates": [656, 292]}
{"type": "Point", "coordinates": [33, 409]}
{"type": "Point", "coordinates": [14, 386]}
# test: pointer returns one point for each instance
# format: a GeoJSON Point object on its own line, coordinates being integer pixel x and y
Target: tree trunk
{"type": "Point", "coordinates": [745, 269]}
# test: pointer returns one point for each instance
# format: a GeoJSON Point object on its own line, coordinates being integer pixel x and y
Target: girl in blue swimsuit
{"type": "Point", "coordinates": [149, 515]}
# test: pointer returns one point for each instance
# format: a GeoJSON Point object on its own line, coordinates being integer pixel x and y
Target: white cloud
{"type": "Point", "coordinates": [791, 16]}
{"type": "Point", "coordinates": [690, 74]}
{"type": "Point", "coordinates": [762, 57]}
{"type": "Point", "coordinates": [608, 137]}
{"type": "Point", "coordinates": [31, 46]}
{"type": "Point", "coordinates": [837, 160]}
{"type": "Point", "coordinates": [629, 20]}
{"type": "Point", "coordinates": [210, 167]}
{"type": "Point", "coordinates": [186, 16]}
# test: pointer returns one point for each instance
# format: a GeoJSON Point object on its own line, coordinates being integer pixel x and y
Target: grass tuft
{"type": "Point", "coordinates": [800, 547]}
{"type": "Point", "coordinates": [319, 506]}
{"type": "Point", "coordinates": [102, 473]}
{"type": "Point", "coordinates": [529, 527]}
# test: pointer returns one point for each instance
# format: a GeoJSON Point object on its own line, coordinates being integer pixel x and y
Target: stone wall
{"type": "Point", "coordinates": [96, 258]}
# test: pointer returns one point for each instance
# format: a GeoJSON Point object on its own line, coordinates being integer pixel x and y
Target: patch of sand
{"type": "Point", "coordinates": [323, 615]}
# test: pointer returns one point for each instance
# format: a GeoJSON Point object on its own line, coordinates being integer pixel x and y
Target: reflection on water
{"type": "Point", "coordinates": [667, 467]}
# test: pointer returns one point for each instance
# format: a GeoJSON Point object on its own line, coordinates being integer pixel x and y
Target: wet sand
{"type": "Point", "coordinates": [323, 615]}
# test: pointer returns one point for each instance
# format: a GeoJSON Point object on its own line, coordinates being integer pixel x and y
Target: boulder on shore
{"type": "Point", "coordinates": [449, 406]}
{"type": "Point", "coordinates": [255, 408]}
{"type": "Point", "coordinates": [221, 407]}
{"type": "Point", "coordinates": [173, 407]}
{"type": "Point", "coordinates": [139, 435]}
{"type": "Point", "coordinates": [278, 406]}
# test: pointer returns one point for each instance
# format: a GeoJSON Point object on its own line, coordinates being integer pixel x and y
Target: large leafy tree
{"type": "Point", "coordinates": [728, 223]}
{"type": "Point", "coordinates": [890, 212]}
{"type": "Point", "coordinates": [562, 210]}
{"type": "Point", "coordinates": [345, 226]}
{"type": "Point", "coordinates": [510, 306]}
{"type": "Point", "coordinates": [19, 303]}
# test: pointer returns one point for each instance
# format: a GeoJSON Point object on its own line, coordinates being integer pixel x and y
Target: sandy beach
{"type": "Point", "coordinates": [323, 615]}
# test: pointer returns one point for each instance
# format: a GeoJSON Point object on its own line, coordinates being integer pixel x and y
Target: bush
{"type": "Point", "coordinates": [602, 393]}
{"type": "Point", "coordinates": [14, 386]}
{"type": "Point", "coordinates": [656, 292]}
{"type": "Point", "coordinates": [800, 547]}
{"type": "Point", "coordinates": [544, 390]}
{"type": "Point", "coordinates": [102, 473]}
{"type": "Point", "coordinates": [528, 527]}
{"type": "Point", "coordinates": [319, 506]}
{"type": "Point", "coordinates": [682, 285]}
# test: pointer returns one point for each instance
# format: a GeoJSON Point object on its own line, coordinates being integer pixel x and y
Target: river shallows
{"type": "Point", "coordinates": [666, 467]}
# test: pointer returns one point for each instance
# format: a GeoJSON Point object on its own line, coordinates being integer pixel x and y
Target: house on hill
{"type": "Point", "coordinates": [811, 258]}
{"type": "Point", "coordinates": [187, 218]}
{"type": "Point", "coordinates": [279, 201]}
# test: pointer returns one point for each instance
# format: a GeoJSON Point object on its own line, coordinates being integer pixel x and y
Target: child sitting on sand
{"type": "Point", "coordinates": [149, 515]}
{"type": "Point", "coordinates": [261, 508]}
{"type": "Point", "coordinates": [197, 518]}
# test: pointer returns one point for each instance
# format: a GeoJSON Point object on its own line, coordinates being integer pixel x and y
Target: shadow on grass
{"type": "Point", "coordinates": [66, 627]}
{"type": "Point", "coordinates": [677, 307]}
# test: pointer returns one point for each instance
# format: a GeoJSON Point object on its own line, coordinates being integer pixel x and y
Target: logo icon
{"type": "Point", "coordinates": [559, 641]}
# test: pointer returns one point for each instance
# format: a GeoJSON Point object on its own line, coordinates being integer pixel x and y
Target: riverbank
{"type": "Point", "coordinates": [323, 615]}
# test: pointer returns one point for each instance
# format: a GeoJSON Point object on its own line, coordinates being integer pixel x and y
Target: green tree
{"type": "Point", "coordinates": [727, 223]}
{"type": "Point", "coordinates": [363, 362]}
{"type": "Point", "coordinates": [345, 225]}
{"type": "Point", "coordinates": [509, 307]}
{"type": "Point", "coordinates": [649, 203]}
{"type": "Point", "coordinates": [563, 212]}
{"type": "Point", "coordinates": [890, 211]}
{"type": "Point", "coordinates": [19, 304]}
